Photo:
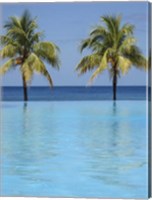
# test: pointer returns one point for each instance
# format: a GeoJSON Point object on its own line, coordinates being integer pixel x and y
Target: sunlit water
{"type": "Point", "coordinates": [74, 149]}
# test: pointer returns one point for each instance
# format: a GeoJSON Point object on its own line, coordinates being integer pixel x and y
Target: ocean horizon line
{"type": "Point", "coordinates": [79, 86]}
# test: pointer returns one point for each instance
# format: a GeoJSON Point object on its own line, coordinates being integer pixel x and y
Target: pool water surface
{"type": "Point", "coordinates": [95, 149]}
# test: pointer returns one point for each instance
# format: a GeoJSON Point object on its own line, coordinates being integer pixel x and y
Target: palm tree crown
{"type": "Point", "coordinates": [23, 47]}
{"type": "Point", "coordinates": [113, 48]}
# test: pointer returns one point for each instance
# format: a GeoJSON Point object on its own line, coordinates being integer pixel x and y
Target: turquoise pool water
{"type": "Point", "coordinates": [74, 149]}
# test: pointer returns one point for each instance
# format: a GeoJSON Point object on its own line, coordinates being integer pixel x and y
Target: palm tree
{"type": "Point", "coordinates": [113, 48]}
{"type": "Point", "coordinates": [22, 45]}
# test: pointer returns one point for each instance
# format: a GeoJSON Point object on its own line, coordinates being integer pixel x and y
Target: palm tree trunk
{"type": "Point", "coordinates": [115, 83]}
{"type": "Point", "coordinates": [24, 88]}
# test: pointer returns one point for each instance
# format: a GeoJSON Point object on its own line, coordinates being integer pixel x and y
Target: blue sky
{"type": "Point", "coordinates": [67, 24]}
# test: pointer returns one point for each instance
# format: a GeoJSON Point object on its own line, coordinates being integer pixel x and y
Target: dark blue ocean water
{"type": "Point", "coordinates": [74, 93]}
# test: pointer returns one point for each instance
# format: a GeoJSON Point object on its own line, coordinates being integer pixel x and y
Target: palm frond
{"type": "Point", "coordinates": [7, 66]}
{"type": "Point", "coordinates": [118, 19]}
{"type": "Point", "coordinates": [135, 56]}
{"type": "Point", "coordinates": [27, 71]}
{"type": "Point", "coordinates": [115, 46]}
{"type": "Point", "coordinates": [22, 44]}
{"type": "Point", "coordinates": [102, 66]}
{"type": "Point", "coordinates": [31, 27]}
{"type": "Point", "coordinates": [16, 32]}
{"type": "Point", "coordinates": [34, 63]}
{"type": "Point", "coordinates": [124, 64]}
{"type": "Point", "coordinates": [35, 37]}
{"type": "Point", "coordinates": [47, 75]}
{"type": "Point", "coordinates": [112, 24]}
{"type": "Point", "coordinates": [49, 52]}
{"type": "Point", "coordinates": [85, 43]}
{"type": "Point", "coordinates": [127, 29]}
{"type": "Point", "coordinates": [126, 43]}
{"type": "Point", "coordinates": [22, 30]}
{"type": "Point", "coordinates": [108, 24]}
{"type": "Point", "coordinates": [98, 48]}
{"type": "Point", "coordinates": [88, 63]}
{"type": "Point", "coordinates": [8, 51]}
{"type": "Point", "coordinates": [4, 40]}
{"type": "Point", "coordinates": [13, 22]}
{"type": "Point", "coordinates": [99, 30]}
{"type": "Point", "coordinates": [27, 22]}
{"type": "Point", "coordinates": [99, 33]}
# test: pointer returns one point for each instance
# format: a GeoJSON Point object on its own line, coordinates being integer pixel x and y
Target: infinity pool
{"type": "Point", "coordinates": [74, 149]}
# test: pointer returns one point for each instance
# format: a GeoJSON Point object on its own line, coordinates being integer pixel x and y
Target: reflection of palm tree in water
{"type": "Point", "coordinates": [102, 147]}
{"type": "Point", "coordinates": [25, 106]}
{"type": "Point", "coordinates": [27, 137]}
{"type": "Point", "coordinates": [33, 149]}
{"type": "Point", "coordinates": [115, 124]}
{"type": "Point", "coordinates": [29, 142]}
{"type": "Point", "coordinates": [25, 118]}
{"type": "Point", "coordinates": [114, 130]}
{"type": "Point", "coordinates": [112, 160]}
{"type": "Point", "coordinates": [114, 108]}
{"type": "Point", "coordinates": [35, 133]}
